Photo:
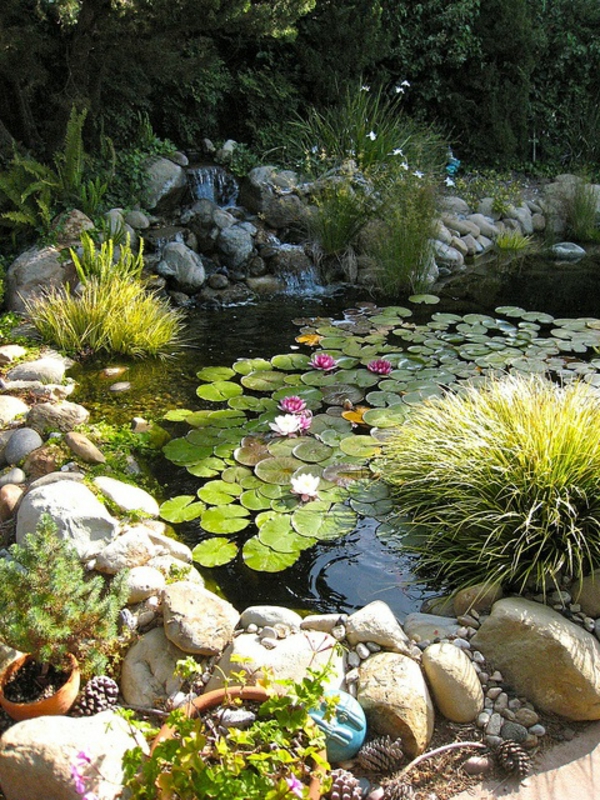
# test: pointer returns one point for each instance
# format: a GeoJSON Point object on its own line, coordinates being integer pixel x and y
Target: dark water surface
{"type": "Point", "coordinates": [349, 573]}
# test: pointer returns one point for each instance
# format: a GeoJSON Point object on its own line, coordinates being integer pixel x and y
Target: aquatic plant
{"type": "Point", "coordinates": [246, 505]}
{"type": "Point", "coordinates": [111, 316]}
{"type": "Point", "coordinates": [514, 241]}
{"type": "Point", "coordinates": [502, 482]}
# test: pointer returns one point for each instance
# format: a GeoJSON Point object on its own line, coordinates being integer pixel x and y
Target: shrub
{"type": "Point", "coordinates": [112, 316]}
{"type": "Point", "coordinates": [580, 207]}
{"type": "Point", "coordinates": [514, 241]}
{"type": "Point", "coordinates": [50, 607]}
{"type": "Point", "coordinates": [340, 213]}
{"type": "Point", "coordinates": [102, 263]}
{"type": "Point", "coordinates": [502, 482]}
{"type": "Point", "coordinates": [401, 245]}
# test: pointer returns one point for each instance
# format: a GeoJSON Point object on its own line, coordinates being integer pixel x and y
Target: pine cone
{"type": "Point", "coordinates": [99, 693]}
{"type": "Point", "coordinates": [345, 786]}
{"type": "Point", "coordinates": [398, 789]}
{"type": "Point", "coordinates": [513, 759]}
{"type": "Point", "coordinates": [383, 755]}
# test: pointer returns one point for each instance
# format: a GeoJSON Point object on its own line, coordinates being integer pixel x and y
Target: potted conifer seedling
{"type": "Point", "coordinates": [61, 619]}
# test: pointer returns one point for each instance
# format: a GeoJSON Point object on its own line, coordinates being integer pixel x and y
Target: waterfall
{"type": "Point", "coordinates": [213, 183]}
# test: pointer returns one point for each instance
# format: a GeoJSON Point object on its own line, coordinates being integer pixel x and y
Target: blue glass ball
{"type": "Point", "coordinates": [346, 731]}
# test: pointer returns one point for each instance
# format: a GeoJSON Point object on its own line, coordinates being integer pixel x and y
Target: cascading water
{"type": "Point", "coordinates": [213, 183]}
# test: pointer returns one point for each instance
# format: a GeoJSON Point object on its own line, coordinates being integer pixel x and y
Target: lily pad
{"type": "Point", "coordinates": [181, 509]}
{"type": "Point", "coordinates": [212, 374]}
{"type": "Point", "coordinates": [218, 391]}
{"type": "Point", "coordinates": [339, 521]}
{"type": "Point", "coordinates": [291, 361]}
{"type": "Point", "coordinates": [249, 403]}
{"type": "Point", "coordinates": [214, 552]}
{"type": "Point", "coordinates": [261, 558]}
{"type": "Point", "coordinates": [361, 446]}
{"type": "Point", "coordinates": [253, 500]}
{"type": "Point", "coordinates": [263, 380]}
{"type": "Point", "coordinates": [183, 452]}
{"type": "Point", "coordinates": [340, 393]}
{"type": "Point", "coordinates": [386, 417]}
{"type": "Point", "coordinates": [344, 473]}
{"type": "Point", "coordinates": [218, 493]}
{"type": "Point", "coordinates": [251, 450]}
{"type": "Point", "coordinates": [278, 534]}
{"type": "Point", "coordinates": [277, 470]}
{"type": "Point", "coordinates": [244, 366]}
{"type": "Point", "coordinates": [225, 519]}
{"type": "Point", "coordinates": [207, 468]}
{"type": "Point", "coordinates": [427, 299]}
{"type": "Point", "coordinates": [312, 450]}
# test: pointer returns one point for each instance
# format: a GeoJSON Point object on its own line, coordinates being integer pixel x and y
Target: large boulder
{"type": "Point", "coordinates": [376, 622]}
{"type": "Point", "coordinates": [35, 271]}
{"type": "Point", "coordinates": [62, 416]}
{"type": "Point", "coordinates": [546, 658]}
{"type": "Point", "coordinates": [165, 185]}
{"type": "Point", "coordinates": [37, 756]}
{"type": "Point", "coordinates": [396, 701]}
{"type": "Point", "coordinates": [235, 244]}
{"type": "Point", "coordinates": [127, 497]}
{"type": "Point", "coordinates": [183, 266]}
{"type": "Point", "coordinates": [453, 681]}
{"type": "Point", "coordinates": [147, 674]}
{"type": "Point", "coordinates": [283, 659]}
{"type": "Point", "coordinates": [78, 515]}
{"type": "Point", "coordinates": [196, 620]}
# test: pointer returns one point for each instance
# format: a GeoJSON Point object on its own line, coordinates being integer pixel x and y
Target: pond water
{"type": "Point", "coordinates": [345, 574]}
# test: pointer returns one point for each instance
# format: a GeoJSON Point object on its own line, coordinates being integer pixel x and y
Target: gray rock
{"type": "Point", "coordinates": [270, 615]}
{"type": "Point", "coordinates": [11, 408]}
{"type": "Point", "coordinates": [396, 701]}
{"type": "Point", "coordinates": [21, 443]}
{"type": "Point", "coordinates": [165, 185]}
{"type": "Point", "coordinates": [143, 582]}
{"type": "Point", "coordinates": [567, 251]}
{"type": "Point", "coordinates": [56, 477]}
{"type": "Point", "coordinates": [514, 731]}
{"type": "Point", "coordinates": [127, 497]}
{"type": "Point", "coordinates": [35, 271]}
{"type": "Point", "coordinates": [486, 225]}
{"type": "Point", "coordinates": [16, 476]}
{"type": "Point", "coordinates": [63, 416]}
{"type": "Point", "coordinates": [137, 220]}
{"type": "Point", "coordinates": [236, 245]}
{"type": "Point", "coordinates": [79, 516]}
{"type": "Point", "coordinates": [447, 255]}
{"type": "Point", "coordinates": [183, 265]}
{"type": "Point", "coordinates": [10, 352]}
{"type": "Point", "coordinates": [429, 626]}
{"type": "Point", "coordinates": [37, 756]}
{"type": "Point", "coordinates": [376, 623]}
{"type": "Point", "coordinates": [147, 674]}
{"type": "Point", "coordinates": [83, 448]}
{"type": "Point", "coordinates": [196, 620]}
{"type": "Point", "coordinates": [544, 657]}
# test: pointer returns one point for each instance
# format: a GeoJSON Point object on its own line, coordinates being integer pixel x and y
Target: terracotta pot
{"type": "Point", "coordinates": [58, 703]}
{"type": "Point", "coordinates": [216, 698]}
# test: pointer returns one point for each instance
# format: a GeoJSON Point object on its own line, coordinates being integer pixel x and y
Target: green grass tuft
{"type": "Point", "coordinates": [502, 483]}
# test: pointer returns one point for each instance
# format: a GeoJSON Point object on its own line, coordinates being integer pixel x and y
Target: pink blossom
{"type": "Point", "coordinates": [292, 404]}
{"type": "Point", "coordinates": [323, 361]}
{"type": "Point", "coordinates": [305, 418]}
{"type": "Point", "coordinates": [380, 366]}
{"type": "Point", "coordinates": [294, 785]}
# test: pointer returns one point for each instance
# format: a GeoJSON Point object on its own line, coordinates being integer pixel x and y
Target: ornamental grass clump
{"type": "Point", "coordinates": [502, 483]}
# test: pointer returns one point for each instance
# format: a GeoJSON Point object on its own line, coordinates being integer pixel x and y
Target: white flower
{"type": "Point", "coordinates": [286, 424]}
{"type": "Point", "coordinates": [372, 136]}
{"type": "Point", "coordinates": [399, 89]}
{"type": "Point", "coordinates": [306, 486]}
{"type": "Point", "coordinates": [418, 174]}
{"type": "Point", "coordinates": [365, 88]}
{"type": "Point", "coordinates": [405, 83]}
{"type": "Point", "coordinates": [449, 181]}
{"type": "Point", "coordinates": [398, 152]}
{"type": "Point", "coordinates": [404, 165]}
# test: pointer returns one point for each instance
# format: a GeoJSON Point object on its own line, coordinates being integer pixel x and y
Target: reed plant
{"type": "Point", "coordinates": [502, 483]}
{"type": "Point", "coordinates": [401, 243]}
{"type": "Point", "coordinates": [340, 212]}
{"type": "Point", "coordinates": [513, 241]}
{"type": "Point", "coordinates": [103, 264]}
{"type": "Point", "coordinates": [111, 316]}
{"type": "Point", "coordinates": [581, 208]}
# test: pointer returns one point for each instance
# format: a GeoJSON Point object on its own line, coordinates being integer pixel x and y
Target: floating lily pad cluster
{"type": "Point", "coordinates": [358, 379]}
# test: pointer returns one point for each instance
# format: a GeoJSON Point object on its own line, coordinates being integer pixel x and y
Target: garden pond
{"type": "Point", "coordinates": [338, 552]}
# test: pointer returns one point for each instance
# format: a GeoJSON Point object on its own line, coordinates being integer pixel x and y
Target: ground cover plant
{"type": "Point", "coordinates": [286, 450]}
{"type": "Point", "coordinates": [503, 482]}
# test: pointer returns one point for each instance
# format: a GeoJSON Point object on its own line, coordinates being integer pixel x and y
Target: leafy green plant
{"type": "Point", "coordinates": [272, 759]}
{"type": "Point", "coordinates": [504, 189]}
{"type": "Point", "coordinates": [52, 608]}
{"type": "Point", "coordinates": [580, 208]}
{"type": "Point", "coordinates": [514, 241]}
{"type": "Point", "coordinates": [401, 243]}
{"type": "Point", "coordinates": [502, 483]}
{"type": "Point", "coordinates": [369, 128]}
{"type": "Point", "coordinates": [341, 210]}
{"type": "Point", "coordinates": [116, 315]}
{"type": "Point", "coordinates": [102, 264]}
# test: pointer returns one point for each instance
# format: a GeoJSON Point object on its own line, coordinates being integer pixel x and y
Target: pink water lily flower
{"type": "Point", "coordinates": [292, 404]}
{"type": "Point", "coordinates": [286, 425]}
{"type": "Point", "coordinates": [323, 361]}
{"type": "Point", "coordinates": [380, 366]}
{"type": "Point", "coordinates": [305, 418]}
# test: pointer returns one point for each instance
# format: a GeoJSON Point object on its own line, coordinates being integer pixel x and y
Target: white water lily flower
{"type": "Point", "coordinates": [286, 424]}
{"type": "Point", "coordinates": [306, 486]}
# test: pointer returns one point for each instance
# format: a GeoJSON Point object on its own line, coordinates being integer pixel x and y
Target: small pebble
{"type": "Point", "coordinates": [362, 651]}
{"type": "Point", "coordinates": [508, 714]}
{"type": "Point", "coordinates": [527, 717]}
{"type": "Point", "coordinates": [493, 741]}
{"type": "Point", "coordinates": [484, 677]}
{"type": "Point", "coordinates": [537, 730]}
{"type": "Point", "coordinates": [501, 702]}
{"type": "Point", "coordinates": [120, 386]}
{"type": "Point", "coordinates": [514, 732]}
{"type": "Point", "coordinates": [464, 644]}
{"type": "Point", "coordinates": [373, 647]}
{"type": "Point", "coordinates": [514, 704]}
{"type": "Point", "coordinates": [497, 676]}
{"type": "Point", "coordinates": [268, 632]}
{"type": "Point", "coordinates": [494, 693]}
{"type": "Point", "coordinates": [478, 657]}
{"type": "Point", "coordinates": [483, 719]}
{"type": "Point", "coordinates": [353, 659]}
{"type": "Point", "coordinates": [478, 765]}
{"type": "Point", "coordinates": [339, 632]}
{"type": "Point", "coordinates": [252, 628]}
{"type": "Point", "coordinates": [494, 725]}
{"type": "Point", "coordinates": [269, 643]}
{"type": "Point", "coordinates": [352, 676]}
